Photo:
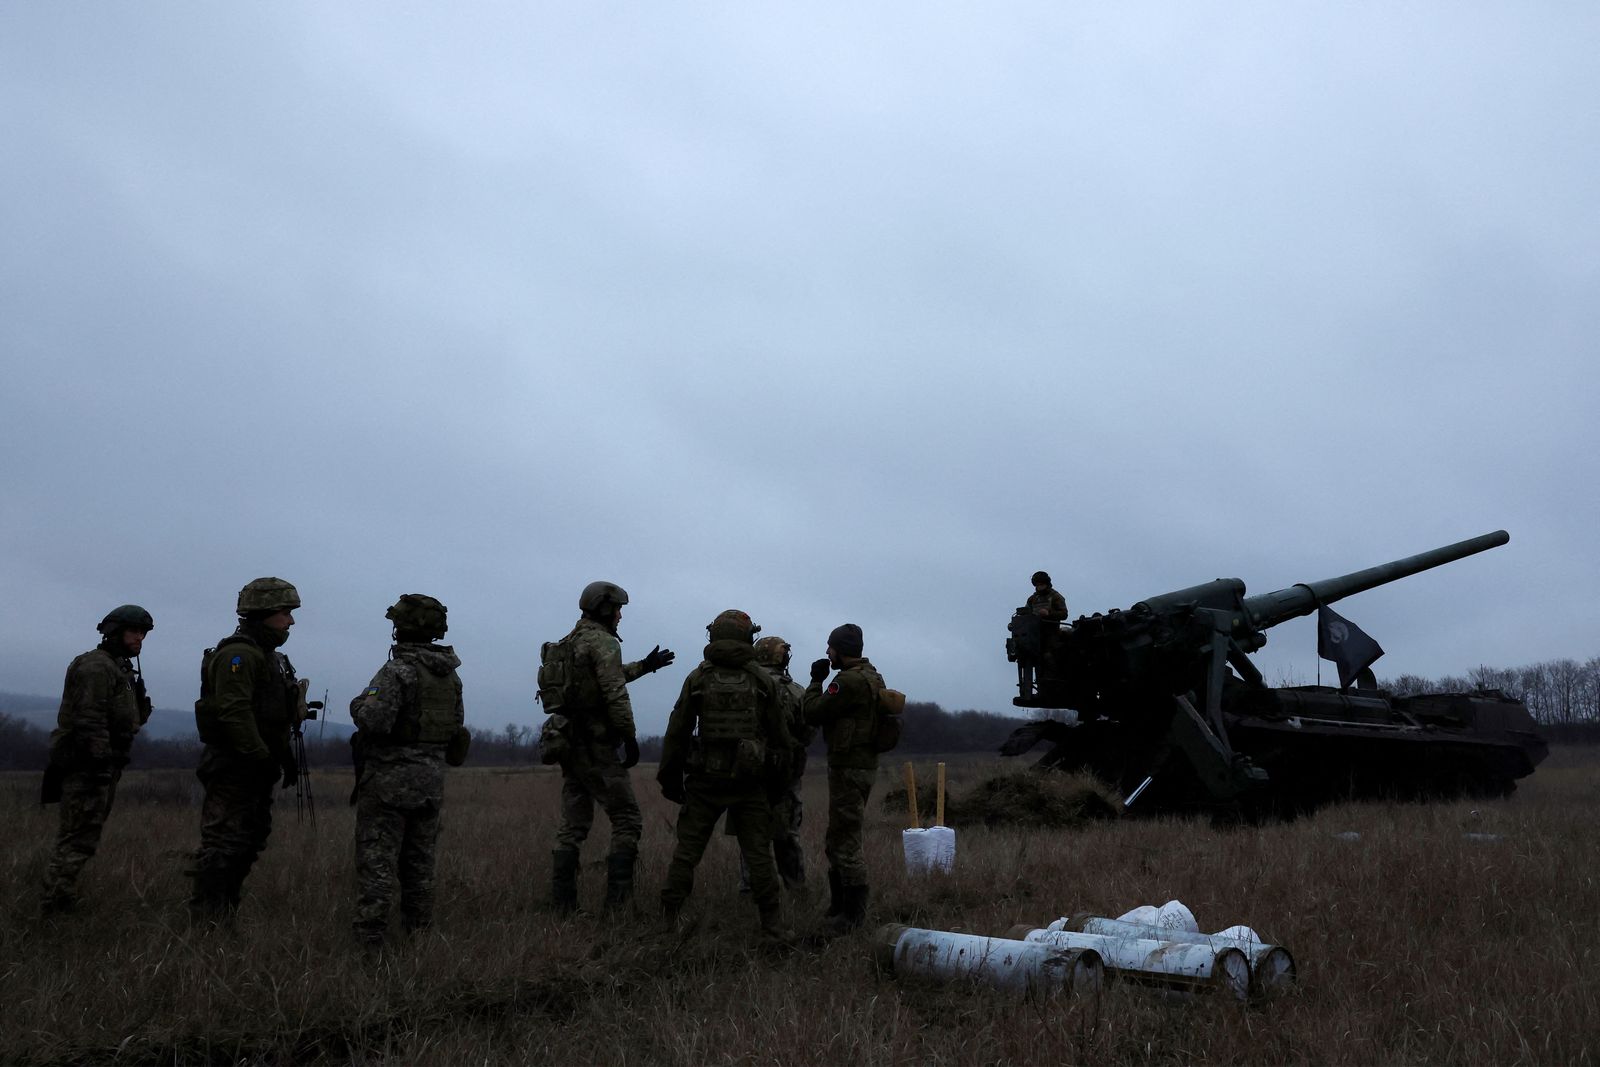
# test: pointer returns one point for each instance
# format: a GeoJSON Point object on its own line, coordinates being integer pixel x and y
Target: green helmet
{"type": "Point", "coordinates": [419, 614]}
{"type": "Point", "coordinates": [269, 595]}
{"type": "Point", "coordinates": [126, 617]}
{"type": "Point", "coordinates": [599, 598]}
{"type": "Point", "coordinates": [733, 625]}
{"type": "Point", "coordinates": [772, 652]}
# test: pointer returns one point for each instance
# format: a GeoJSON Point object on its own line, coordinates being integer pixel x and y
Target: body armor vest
{"type": "Point", "coordinates": [431, 718]}
{"type": "Point", "coordinates": [273, 697]}
{"type": "Point", "coordinates": [729, 702]}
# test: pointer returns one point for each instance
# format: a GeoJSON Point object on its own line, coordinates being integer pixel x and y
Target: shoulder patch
{"type": "Point", "coordinates": [372, 691]}
{"type": "Point", "coordinates": [233, 664]}
{"type": "Point", "coordinates": [833, 689]}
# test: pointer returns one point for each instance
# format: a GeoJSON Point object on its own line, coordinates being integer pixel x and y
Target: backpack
{"type": "Point", "coordinates": [889, 720]}
{"type": "Point", "coordinates": [557, 676]}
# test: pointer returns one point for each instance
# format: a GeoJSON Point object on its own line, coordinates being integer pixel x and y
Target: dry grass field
{"type": "Point", "coordinates": [1415, 943]}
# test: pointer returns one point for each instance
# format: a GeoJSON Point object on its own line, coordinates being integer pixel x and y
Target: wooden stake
{"type": "Point", "coordinates": [939, 819]}
{"type": "Point", "coordinates": [911, 796]}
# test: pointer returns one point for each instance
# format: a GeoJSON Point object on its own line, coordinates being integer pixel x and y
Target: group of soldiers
{"type": "Point", "coordinates": [410, 719]}
{"type": "Point", "coordinates": [735, 743]}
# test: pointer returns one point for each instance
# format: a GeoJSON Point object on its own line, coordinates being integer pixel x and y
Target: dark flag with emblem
{"type": "Point", "coordinates": [1343, 642]}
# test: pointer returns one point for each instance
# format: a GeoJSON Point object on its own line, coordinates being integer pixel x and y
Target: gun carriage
{"type": "Point", "coordinates": [1171, 710]}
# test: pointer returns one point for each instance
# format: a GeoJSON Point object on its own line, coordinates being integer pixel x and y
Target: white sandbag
{"type": "Point", "coordinates": [930, 849]}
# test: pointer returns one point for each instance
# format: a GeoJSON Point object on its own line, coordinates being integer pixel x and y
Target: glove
{"type": "Point", "coordinates": [819, 669]}
{"type": "Point", "coordinates": [657, 658]}
{"type": "Point", "coordinates": [630, 752]}
{"type": "Point", "coordinates": [291, 771]}
{"type": "Point", "coordinates": [671, 780]}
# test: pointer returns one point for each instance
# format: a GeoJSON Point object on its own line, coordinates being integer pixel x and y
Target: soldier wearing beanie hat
{"type": "Point", "coordinates": [845, 710]}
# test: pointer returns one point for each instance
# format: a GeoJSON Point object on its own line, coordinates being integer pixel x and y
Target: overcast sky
{"type": "Point", "coordinates": [825, 312]}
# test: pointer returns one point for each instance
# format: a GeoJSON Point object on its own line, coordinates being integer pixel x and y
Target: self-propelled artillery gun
{"type": "Point", "coordinates": [1171, 710]}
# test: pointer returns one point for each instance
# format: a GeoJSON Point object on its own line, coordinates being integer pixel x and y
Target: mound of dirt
{"type": "Point", "coordinates": [1026, 798]}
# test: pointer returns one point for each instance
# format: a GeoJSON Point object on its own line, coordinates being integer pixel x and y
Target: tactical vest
{"type": "Point", "coordinates": [272, 699]}
{"type": "Point", "coordinates": [729, 705]}
{"type": "Point", "coordinates": [430, 718]}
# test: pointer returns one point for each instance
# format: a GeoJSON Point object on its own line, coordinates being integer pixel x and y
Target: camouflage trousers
{"type": "Point", "coordinates": [750, 816]}
{"type": "Point", "coordinates": [588, 777]}
{"type": "Point", "coordinates": [787, 852]}
{"type": "Point", "coordinates": [848, 789]}
{"type": "Point", "coordinates": [394, 846]}
{"type": "Point", "coordinates": [86, 799]}
{"type": "Point", "coordinates": [235, 822]}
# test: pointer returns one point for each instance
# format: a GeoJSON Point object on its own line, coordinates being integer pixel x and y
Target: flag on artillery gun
{"type": "Point", "coordinates": [1343, 642]}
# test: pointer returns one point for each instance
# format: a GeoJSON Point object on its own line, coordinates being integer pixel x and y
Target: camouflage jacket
{"type": "Point", "coordinates": [597, 653]}
{"type": "Point", "coordinates": [100, 710]}
{"type": "Point", "coordinates": [771, 710]}
{"type": "Point", "coordinates": [1048, 604]}
{"type": "Point", "coordinates": [248, 696]}
{"type": "Point", "coordinates": [403, 775]}
{"type": "Point", "coordinates": [846, 710]}
{"type": "Point", "coordinates": [791, 697]}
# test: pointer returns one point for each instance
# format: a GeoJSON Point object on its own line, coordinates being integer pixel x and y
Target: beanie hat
{"type": "Point", "coordinates": [846, 639]}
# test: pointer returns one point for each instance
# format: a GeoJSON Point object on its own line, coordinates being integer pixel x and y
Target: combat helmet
{"type": "Point", "coordinates": [126, 617]}
{"type": "Point", "coordinates": [418, 614]}
{"type": "Point", "coordinates": [601, 598]}
{"type": "Point", "coordinates": [267, 595]}
{"type": "Point", "coordinates": [732, 625]}
{"type": "Point", "coordinates": [772, 652]}
{"type": "Point", "coordinates": [1040, 576]}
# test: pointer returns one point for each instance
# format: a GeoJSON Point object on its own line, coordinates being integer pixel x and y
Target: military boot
{"type": "Point", "coordinates": [619, 880]}
{"type": "Point", "coordinates": [773, 932]}
{"type": "Point", "coordinates": [851, 914]}
{"type": "Point", "coordinates": [854, 909]}
{"type": "Point", "coordinates": [564, 880]}
{"type": "Point", "coordinates": [210, 902]}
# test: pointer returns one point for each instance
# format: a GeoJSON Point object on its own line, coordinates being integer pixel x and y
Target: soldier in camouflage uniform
{"type": "Point", "coordinates": [787, 810]}
{"type": "Point", "coordinates": [591, 695]}
{"type": "Point", "coordinates": [103, 704]}
{"type": "Point", "coordinates": [726, 748]}
{"type": "Point", "coordinates": [411, 723]}
{"type": "Point", "coordinates": [846, 711]}
{"type": "Point", "coordinates": [249, 700]}
{"type": "Point", "coordinates": [1044, 601]}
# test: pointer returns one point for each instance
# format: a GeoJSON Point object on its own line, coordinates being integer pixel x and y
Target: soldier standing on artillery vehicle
{"type": "Point", "coordinates": [1044, 602]}
{"type": "Point", "coordinates": [727, 748]}
{"type": "Point", "coordinates": [847, 711]}
{"type": "Point", "coordinates": [249, 702]}
{"type": "Point", "coordinates": [1044, 610]}
{"type": "Point", "coordinates": [787, 810]}
{"type": "Point", "coordinates": [583, 680]}
{"type": "Point", "coordinates": [411, 724]}
{"type": "Point", "coordinates": [103, 704]}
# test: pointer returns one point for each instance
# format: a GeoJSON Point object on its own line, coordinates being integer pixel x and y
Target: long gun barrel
{"type": "Point", "coordinates": [1269, 609]}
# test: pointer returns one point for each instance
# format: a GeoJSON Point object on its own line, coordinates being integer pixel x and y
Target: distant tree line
{"type": "Point", "coordinates": [929, 729]}
{"type": "Point", "coordinates": [1556, 691]}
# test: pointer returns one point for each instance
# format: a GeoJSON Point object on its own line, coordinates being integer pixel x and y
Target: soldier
{"type": "Point", "coordinates": [586, 675]}
{"type": "Point", "coordinates": [847, 712]}
{"type": "Point", "coordinates": [726, 747]}
{"type": "Point", "coordinates": [249, 699]}
{"type": "Point", "coordinates": [412, 723]}
{"type": "Point", "coordinates": [1044, 601]}
{"type": "Point", "coordinates": [103, 704]}
{"type": "Point", "coordinates": [773, 655]}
